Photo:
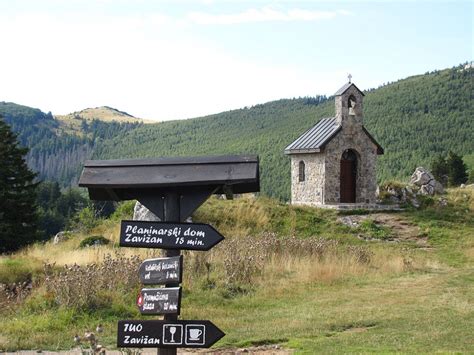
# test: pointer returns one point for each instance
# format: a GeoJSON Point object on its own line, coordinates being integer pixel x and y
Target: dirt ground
{"type": "Point", "coordinates": [403, 231]}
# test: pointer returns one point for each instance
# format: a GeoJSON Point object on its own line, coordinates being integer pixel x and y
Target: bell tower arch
{"type": "Point", "coordinates": [348, 101]}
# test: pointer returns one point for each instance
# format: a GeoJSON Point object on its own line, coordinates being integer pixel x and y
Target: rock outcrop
{"type": "Point", "coordinates": [426, 182]}
{"type": "Point", "coordinates": [141, 213]}
{"type": "Point", "coordinates": [61, 237]}
{"type": "Point", "coordinates": [422, 182]}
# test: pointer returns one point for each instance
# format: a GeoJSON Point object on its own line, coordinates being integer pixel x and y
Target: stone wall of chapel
{"type": "Point", "coordinates": [310, 191]}
{"type": "Point", "coordinates": [366, 182]}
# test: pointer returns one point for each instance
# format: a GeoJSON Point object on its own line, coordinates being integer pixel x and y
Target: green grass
{"type": "Point", "coordinates": [374, 230]}
{"type": "Point", "coordinates": [406, 299]}
{"type": "Point", "coordinates": [17, 270]}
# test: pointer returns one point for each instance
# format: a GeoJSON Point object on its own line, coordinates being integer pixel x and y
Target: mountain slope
{"type": "Point", "coordinates": [102, 113]}
{"type": "Point", "coordinates": [413, 119]}
{"type": "Point", "coordinates": [58, 148]}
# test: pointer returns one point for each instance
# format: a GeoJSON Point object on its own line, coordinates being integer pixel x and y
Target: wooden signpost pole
{"type": "Point", "coordinates": [171, 188]}
{"type": "Point", "coordinates": [171, 214]}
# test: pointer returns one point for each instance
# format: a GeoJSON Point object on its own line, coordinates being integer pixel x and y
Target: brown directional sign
{"type": "Point", "coordinates": [189, 236]}
{"type": "Point", "coordinates": [164, 300]}
{"type": "Point", "coordinates": [160, 271]}
{"type": "Point", "coordinates": [167, 334]}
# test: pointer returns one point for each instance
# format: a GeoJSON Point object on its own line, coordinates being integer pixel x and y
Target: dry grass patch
{"type": "Point", "coordinates": [462, 197]}
{"type": "Point", "coordinates": [337, 265]}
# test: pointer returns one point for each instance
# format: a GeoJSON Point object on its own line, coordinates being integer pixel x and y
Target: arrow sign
{"type": "Point", "coordinates": [188, 236]}
{"type": "Point", "coordinates": [160, 271]}
{"type": "Point", "coordinates": [159, 300]}
{"type": "Point", "coordinates": [167, 334]}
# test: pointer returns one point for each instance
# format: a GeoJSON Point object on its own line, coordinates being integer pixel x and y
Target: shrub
{"type": "Point", "coordinates": [93, 241]}
{"type": "Point", "coordinates": [245, 257]}
{"type": "Point", "coordinates": [242, 260]}
{"type": "Point", "coordinates": [362, 254]}
{"type": "Point", "coordinates": [124, 210]}
{"type": "Point", "coordinates": [450, 170]}
{"type": "Point", "coordinates": [92, 286]}
{"type": "Point", "coordinates": [85, 220]}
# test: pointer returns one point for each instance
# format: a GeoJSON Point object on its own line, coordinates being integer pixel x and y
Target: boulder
{"type": "Point", "coordinates": [426, 182]}
{"type": "Point", "coordinates": [141, 213]}
{"type": "Point", "coordinates": [60, 237]}
{"type": "Point", "coordinates": [439, 189]}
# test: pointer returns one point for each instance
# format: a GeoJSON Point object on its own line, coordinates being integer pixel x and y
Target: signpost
{"type": "Point", "coordinates": [167, 334]}
{"type": "Point", "coordinates": [189, 236]}
{"type": "Point", "coordinates": [164, 300]}
{"type": "Point", "coordinates": [171, 188]}
{"type": "Point", "coordinates": [161, 270]}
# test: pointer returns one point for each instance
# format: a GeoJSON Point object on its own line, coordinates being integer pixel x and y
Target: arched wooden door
{"type": "Point", "coordinates": [348, 176]}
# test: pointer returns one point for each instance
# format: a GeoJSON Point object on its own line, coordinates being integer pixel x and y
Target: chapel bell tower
{"type": "Point", "coordinates": [348, 100]}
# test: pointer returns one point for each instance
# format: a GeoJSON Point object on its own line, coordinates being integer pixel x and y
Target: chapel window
{"type": "Point", "coordinates": [301, 175]}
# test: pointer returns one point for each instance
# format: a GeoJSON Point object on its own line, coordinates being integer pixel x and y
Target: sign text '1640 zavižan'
{"type": "Point", "coordinates": [167, 334]}
{"type": "Point", "coordinates": [165, 235]}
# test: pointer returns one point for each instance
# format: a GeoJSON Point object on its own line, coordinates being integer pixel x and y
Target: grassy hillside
{"type": "Point", "coordinates": [413, 119]}
{"type": "Point", "coordinates": [397, 282]}
{"type": "Point", "coordinates": [262, 129]}
{"type": "Point", "coordinates": [102, 113]}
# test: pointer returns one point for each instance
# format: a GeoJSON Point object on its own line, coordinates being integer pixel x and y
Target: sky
{"type": "Point", "coordinates": [163, 60]}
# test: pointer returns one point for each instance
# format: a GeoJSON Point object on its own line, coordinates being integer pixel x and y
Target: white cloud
{"type": "Point", "coordinates": [141, 65]}
{"type": "Point", "coordinates": [265, 14]}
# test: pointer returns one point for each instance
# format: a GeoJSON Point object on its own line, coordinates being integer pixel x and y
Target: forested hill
{"type": "Point", "coordinates": [58, 148]}
{"type": "Point", "coordinates": [413, 119]}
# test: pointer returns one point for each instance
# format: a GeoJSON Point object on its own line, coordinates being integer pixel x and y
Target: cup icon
{"type": "Point", "coordinates": [194, 334]}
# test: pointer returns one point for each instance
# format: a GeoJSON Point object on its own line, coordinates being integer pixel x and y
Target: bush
{"type": "Point", "coordinates": [92, 287]}
{"type": "Point", "coordinates": [84, 220]}
{"type": "Point", "coordinates": [124, 210]}
{"type": "Point", "coordinates": [244, 257]}
{"type": "Point", "coordinates": [450, 170]}
{"type": "Point", "coordinates": [93, 241]}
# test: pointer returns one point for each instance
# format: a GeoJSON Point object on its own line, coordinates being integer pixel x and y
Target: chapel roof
{"type": "Point", "coordinates": [315, 138]}
{"type": "Point", "coordinates": [345, 87]}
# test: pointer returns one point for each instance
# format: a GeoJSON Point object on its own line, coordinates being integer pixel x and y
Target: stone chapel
{"type": "Point", "coordinates": [333, 163]}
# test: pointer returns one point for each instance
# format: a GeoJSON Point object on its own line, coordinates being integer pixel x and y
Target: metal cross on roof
{"type": "Point", "coordinates": [349, 77]}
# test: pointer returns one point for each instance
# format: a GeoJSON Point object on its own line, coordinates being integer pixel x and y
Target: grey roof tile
{"type": "Point", "coordinates": [314, 138]}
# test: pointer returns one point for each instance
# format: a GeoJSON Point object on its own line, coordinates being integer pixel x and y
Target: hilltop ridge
{"type": "Point", "coordinates": [103, 113]}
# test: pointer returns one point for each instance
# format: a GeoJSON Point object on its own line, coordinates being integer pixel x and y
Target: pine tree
{"type": "Point", "coordinates": [18, 218]}
{"type": "Point", "coordinates": [457, 170]}
{"type": "Point", "coordinates": [439, 169]}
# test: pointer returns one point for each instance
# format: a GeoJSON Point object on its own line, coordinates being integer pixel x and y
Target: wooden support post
{"type": "Point", "coordinates": [171, 214]}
